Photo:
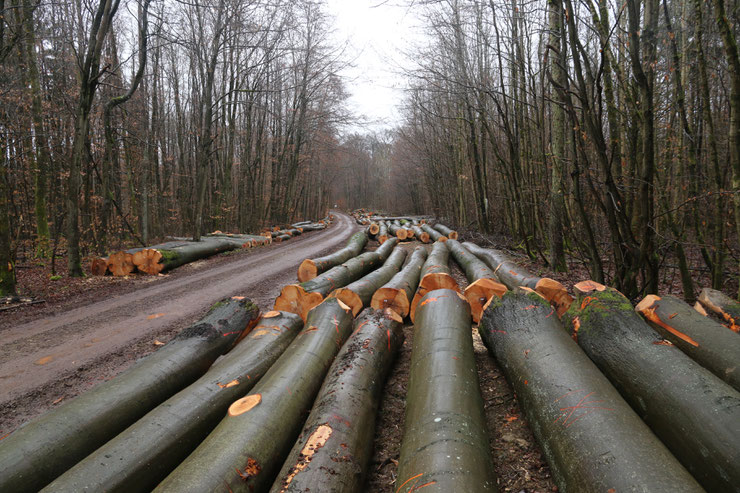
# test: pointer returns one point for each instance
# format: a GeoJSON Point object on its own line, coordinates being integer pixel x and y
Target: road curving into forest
{"type": "Point", "coordinates": [44, 351]}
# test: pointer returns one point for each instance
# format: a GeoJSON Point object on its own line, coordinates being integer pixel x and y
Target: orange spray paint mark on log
{"type": "Point", "coordinates": [570, 414]}
{"type": "Point", "coordinates": [432, 299]}
{"type": "Point", "coordinates": [650, 314]}
{"type": "Point", "coordinates": [155, 315]}
{"type": "Point", "coordinates": [44, 360]}
{"type": "Point", "coordinates": [587, 301]}
{"type": "Point", "coordinates": [408, 480]}
{"type": "Point", "coordinates": [576, 326]}
{"type": "Point", "coordinates": [388, 333]}
{"type": "Point", "coordinates": [530, 307]}
{"type": "Point", "coordinates": [417, 488]}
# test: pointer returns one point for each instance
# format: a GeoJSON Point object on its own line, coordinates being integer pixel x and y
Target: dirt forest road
{"type": "Point", "coordinates": [43, 357]}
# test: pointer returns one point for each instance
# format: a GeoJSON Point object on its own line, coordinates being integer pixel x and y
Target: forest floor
{"type": "Point", "coordinates": [89, 330]}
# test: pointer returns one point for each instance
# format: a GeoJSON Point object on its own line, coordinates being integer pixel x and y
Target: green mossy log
{"type": "Point", "coordinates": [449, 233]}
{"type": "Point", "coordinates": [435, 274]}
{"type": "Point", "coordinates": [482, 281]}
{"type": "Point", "coordinates": [336, 444]}
{"type": "Point", "coordinates": [590, 436]}
{"type": "Point", "coordinates": [247, 448]}
{"type": "Point", "coordinates": [147, 451]}
{"type": "Point", "coordinates": [398, 292]}
{"type": "Point", "coordinates": [311, 268]}
{"type": "Point", "coordinates": [445, 443]}
{"type": "Point", "coordinates": [723, 306]}
{"type": "Point", "coordinates": [707, 342]}
{"type": "Point", "coordinates": [694, 413]}
{"type": "Point", "coordinates": [43, 449]}
{"type": "Point", "coordinates": [433, 233]}
{"type": "Point", "coordinates": [358, 294]}
{"type": "Point", "coordinates": [300, 298]}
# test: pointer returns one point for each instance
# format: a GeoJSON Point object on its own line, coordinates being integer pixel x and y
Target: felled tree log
{"type": "Point", "coordinates": [704, 340]}
{"type": "Point", "coordinates": [445, 444]}
{"type": "Point", "coordinates": [99, 266]}
{"type": "Point", "coordinates": [154, 260]}
{"type": "Point", "coordinates": [300, 298]}
{"type": "Point", "coordinates": [311, 268]}
{"type": "Point", "coordinates": [694, 413]}
{"type": "Point", "coordinates": [723, 306]}
{"type": "Point", "coordinates": [358, 294]}
{"type": "Point", "coordinates": [147, 451]}
{"type": "Point", "coordinates": [122, 263]}
{"type": "Point", "coordinates": [591, 437]}
{"type": "Point", "coordinates": [449, 233]}
{"type": "Point", "coordinates": [398, 231]}
{"type": "Point", "coordinates": [397, 293]}
{"type": "Point", "coordinates": [382, 232]}
{"type": "Point", "coordinates": [513, 276]}
{"type": "Point", "coordinates": [313, 227]}
{"type": "Point", "coordinates": [247, 448]}
{"type": "Point", "coordinates": [374, 229]}
{"type": "Point", "coordinates": [433, 233]}
{"type": "Point", "coordinates": [483, 284]}
{"type": "Point", "coordinates": [280, 238]}
{"type": "Point", "coordinates": [40, 451]}
{"type": "Point", "coordinates": [336, 443]}
{"type": "Point", "coordinates": [435, 274]}
{"type": "Point", "coordinates": [420, 234]}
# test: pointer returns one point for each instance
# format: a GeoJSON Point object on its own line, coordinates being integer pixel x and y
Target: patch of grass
{"type": "Point", "coordinates": [55, 278]}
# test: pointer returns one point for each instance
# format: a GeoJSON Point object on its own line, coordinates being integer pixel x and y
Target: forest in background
{"type": "Point", "coordinates": [607, 131]}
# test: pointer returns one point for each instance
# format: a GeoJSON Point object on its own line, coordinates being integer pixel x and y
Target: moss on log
{"type": "Point", "coordinates": [694, 413]}
{"type": "Point", "coordinates": [311, 268]}
{"type": "Point", "coordinates": [397, 293]}
{"type": "Point", "coordinates": [336, 443]}
{"type": "Point", "coordinates": [591, 438]}
{"type": "Point", "coordinates": [445, 444]}
{"type": "Point", "coordinates": [44, 448]}
{"type": "Point", "coordinates": [245, 451]}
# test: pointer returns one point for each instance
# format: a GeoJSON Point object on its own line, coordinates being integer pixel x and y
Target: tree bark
{"type": "Point", "coordinates": [247, 448]}
{"type": "Point", "coordinates": [40, 451]}
{"type": "Point", "coordinates": [382, 232]}
{"type": "Point", "coordinates": [482, 281]}
{"type": "Point", "coordinates": [435, 274]}
{"type": "Point", "coordinates": [398, 231]}
{"type": "Point", "coordinates": [336, 443]}
{"type": "Point", "coordinates": [591, 437]}
{"type": "Point", "coordinates": [433, 233]}
{"type": "Point", "coordinates": [358, 294]}
{"type": "Point", "coordinates": [449, 233]}
{"type": "Point", "coordinates": [701, 338]}
{"type": "Point", "coordinates": [147, 451]}
{"type": "Point", "coordinates": [397, 293]}
{"type": "Point", "coordinates": [311, 268]}
{"type": "Point", "coordinates": [420, 234]}
{"type": "Point", "coordinates": [723, 306]}
{"type": "Point", "coordinates": [159, 258]}
{"type": "Point", "coordinates": [694, 413]}
{"type": "Point", "coordinates": [445, 443]}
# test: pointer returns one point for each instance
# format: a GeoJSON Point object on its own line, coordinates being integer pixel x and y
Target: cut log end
{"type": "Point", "coordinates": [307, 270]}
{"type": "Point", "coordinates": [479, 293]}
{"type": "Point", "coordinates": [374, 228]}
{"type": "Point", "coordinates": [382, 239]}
{"type": "Point", "coordinates": [453, 235]}
{"type": "Point", "coordinates": [271, 314]}
{"type": "Point", "coordinates": [148, 261]}
{"type": "Point", "coordinates": [442, 239]}
{"type": "Point", "coordinates": [430, 282]}
{"type": "Point", "coordinates": [349, 298]}
{"type": "Point", "coordinates": [409, 233]}
{"type": "Point", "coordinates": [244, 404]}
{"type": "Point", "coordinates": [390, 314]}
{"type": "Point", "coordinates": [99, 266]}
{"type": "Point", "coordinates": [294, 299]}
{"type": "Point", "coordinates": [584, 287]}
{"type": "Point", "coordinates": [558, 296]}
{"type": "Point", "coordinates": [391, 299]}
{"type": "Point", "coordinates": [424, 237]}
{"type": "Point", "coordinates": [699, 308]}
{"type": "Point", "coordinates": [647, 302]}
{"type": "Point", "coordinates": [121, 264]}
{"type": "Point", "coordinates": [401, 234]}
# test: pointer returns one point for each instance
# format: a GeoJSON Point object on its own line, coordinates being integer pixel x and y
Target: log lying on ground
{"type": "Point", "coordinates": [398, 231]}
{"type": "Point", "coordinates": [99, 266]}
{"type": "Point", "coordinates": [445, 444]}
{"type": "Point", "coordinates": [247, 448]}
{"type": "Point", "coordinates": [435, 274]}
{"type": "Point", "coordinates": [122, 263]}
{"type": "Point", "coordinates": [513, 276]}
{"type": "Point", "coordinates": [723, 306]}
{"type": "Point", "coordinates": [336, 443]}
{"type": "Point", "coordinates": [433, 233]}
{"type": "Point", "coordinates": [358, 294]}
{"type": "Point", "coordinates": [311, 268]}
{"type": "Point", "coordinates": [694, 413]}
{"type": "Point", "coordinates": [313, 227]}
{"type": "Point", "coordinates": [374, 229]}
{"type": "Point", "coordinates": [161, 258]}
{"type": "Point", "coordinates": [449, 233]}
{"type": "Point", "coordinates": [280, 238]}
{"type": "Point", "coordinates": [300, 298]}
{"type": "Point", "coordinates": [147, 451]}
{"type": "Point", "coordinates": [420, 234]}
{"type": "Point", "coordinates": [397, 293]}
{"type": "Point", "coordinates": [704, 340]}
{"type": "Point", "coordinates": [44, 448]}
{"type": "Point", "coordinates": [483, 284]}
{"type": "Point", "coordinates": [591, 437]}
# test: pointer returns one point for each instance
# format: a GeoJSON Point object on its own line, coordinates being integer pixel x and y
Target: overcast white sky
{"type": "Point", "coordinates": [378, 33]}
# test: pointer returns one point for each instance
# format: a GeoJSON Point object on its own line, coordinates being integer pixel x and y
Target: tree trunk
{"type": "Point", "coordinates": [420, 234]}
{"type": "Point", "coordinates": [591, 437]}
{"type": "Point", "coordinates": [433, 233]}
{"type": "Point", "coordinates": [248, 446]}
{"type": "Point", "coordinates": [300, 298]}
{"type": "Point", "coordinates": [311, 268]}
{"type": "Point", "coordinates": [157, 259]}
{"type": "Point", "coordinates": [694, 413]}
{"type": "Point", "coordinates": [398, 231]}
{"type": "Point", "coordinates": [358, 294]}
{"type": "Point", "coordinates": [382, 232]}
{"type": "Point", "coordinates": [723, 306]}
{"type": "Point", "coordinates": [449, 233]}
{"type": "Point", "coordinates": [445, 442]}
{"type": "Point", "coordinates": [40, 451]}
{"type": "Point", "coordinates": [704, 340]}
{"type": "Point", "coordinates": [147, 451]}
{"type": "Point", "coordinates": [336, 443]}
{"type": "Point", "coordinates": [483, 284]}
{"type": "Point", "coordinates": [397, 293]}
{"type": "Point", "coordinates": [435, 274]}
